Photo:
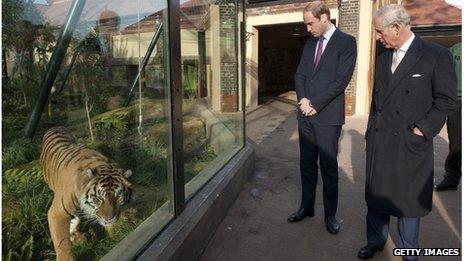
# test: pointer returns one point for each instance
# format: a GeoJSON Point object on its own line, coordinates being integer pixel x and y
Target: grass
{"type": "Point", "coordinates": [19, 152]}
{"type": "Point", "coordinates": [26, 198]}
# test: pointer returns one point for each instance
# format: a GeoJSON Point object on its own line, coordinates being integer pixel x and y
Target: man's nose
{"type": "Point", "coordinates": [377, 36]}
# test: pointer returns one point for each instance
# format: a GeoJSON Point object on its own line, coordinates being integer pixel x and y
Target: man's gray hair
{"type": "Point", "coordinates": [393, 14]}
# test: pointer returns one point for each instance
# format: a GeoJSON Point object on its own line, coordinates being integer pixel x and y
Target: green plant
{"type": "Point", "coordinates": [198, 162]}
{"type": "Point", "coordinates": [24, 221]}
{"type": "Point", "coordinates": [189, 79]}
{"type": "Point", "coordinates": [20, 151]}
{"type": "Point", "coordinates": [148, 163]}
{"type": "Point", "coordinates": [111, 126]}
{"type": "Point", "coordinates": [11, 129]}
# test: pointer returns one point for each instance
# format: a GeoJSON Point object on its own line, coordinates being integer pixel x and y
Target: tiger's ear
{"type": "Point", "coordinates": [127, 173]}
{"type": "Point", "coordinates": [90, 172]}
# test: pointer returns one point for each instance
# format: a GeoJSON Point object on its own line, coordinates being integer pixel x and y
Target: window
{"type": "Point", "coordinates": [213, 119]}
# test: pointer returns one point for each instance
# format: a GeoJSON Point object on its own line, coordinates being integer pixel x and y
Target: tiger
{"type": "Point", "coordinates": [86, 186]}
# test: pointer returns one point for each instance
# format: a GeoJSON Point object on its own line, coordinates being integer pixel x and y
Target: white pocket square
{"type": "Point", "coordinates": [416, 75]}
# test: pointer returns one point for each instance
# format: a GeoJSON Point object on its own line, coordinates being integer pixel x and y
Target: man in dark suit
{"type": "Point", "coordinates": [414, 91]}
{"type": "Point", "coordinates": [325, 69]}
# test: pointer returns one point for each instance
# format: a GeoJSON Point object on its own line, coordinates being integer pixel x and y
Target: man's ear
{"type": "Point", "coordinates": [398, 27]}
{"type": "Point", "coordinates": [324, 18]}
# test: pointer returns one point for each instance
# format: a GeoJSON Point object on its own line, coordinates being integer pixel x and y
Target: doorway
{"type": "Point", "coordinates": [280, 47]}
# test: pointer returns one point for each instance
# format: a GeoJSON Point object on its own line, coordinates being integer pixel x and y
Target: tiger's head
{"type": "Point", "coordinates": [107, 190]}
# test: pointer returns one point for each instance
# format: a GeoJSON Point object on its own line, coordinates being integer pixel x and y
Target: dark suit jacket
{"type": "Point", "coordinates": [324, 85]}
{"type": "Point", "coordinates": [399, 163]}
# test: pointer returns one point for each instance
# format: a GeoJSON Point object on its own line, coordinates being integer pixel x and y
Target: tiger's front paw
{"type": "Point", "coordinates": [78, 238]}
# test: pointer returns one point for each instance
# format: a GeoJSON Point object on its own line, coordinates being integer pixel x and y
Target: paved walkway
{"type": "Point", "coordinates": [256, 227]}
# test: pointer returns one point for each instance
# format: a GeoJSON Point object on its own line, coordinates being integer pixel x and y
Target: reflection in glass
{"type": "Point", "coordinates": [99, 69]}
{"type": "Point", "coordinates": [213, 120]}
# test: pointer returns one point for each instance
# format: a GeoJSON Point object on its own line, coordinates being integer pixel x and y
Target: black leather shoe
{"type": "Point", "coordinates": [300, 214]}
{"type": "Point", "coordinates": [368, 251]}
{"type": "Point", "coordinates": [445, 185]}
{"type": "Point", "coordinates": [332, 226]}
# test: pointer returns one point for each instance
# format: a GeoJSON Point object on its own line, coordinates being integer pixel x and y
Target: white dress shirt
{"type": "Point", "coordinates": [401, 52]}
{"type": "Point", "coordinates": [327, 35]}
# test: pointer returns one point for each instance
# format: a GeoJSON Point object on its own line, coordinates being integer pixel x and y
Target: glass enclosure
{"type": "Point", "coordinates": [213, 120]}
{"type": "Point", "coordinates": [110, 85]}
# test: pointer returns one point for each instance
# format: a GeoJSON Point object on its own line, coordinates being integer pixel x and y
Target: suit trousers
{"type": "Point", "coordinates": [453, 160]}
{"type": "Point", "coordinates": [319, 142]}
{"type": "Point", "coordinates": [378, 226]}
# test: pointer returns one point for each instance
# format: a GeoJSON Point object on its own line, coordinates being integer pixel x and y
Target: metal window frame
{"type": "Point", "coordinates": [175, 72]}
{"type": "Point", "coordinates": [241, 33]}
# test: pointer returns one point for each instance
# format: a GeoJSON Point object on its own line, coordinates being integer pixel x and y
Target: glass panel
{"type": "Point", "coordinates": [213, 120]}
{"type": "Point", "coordinates": [88, 98]}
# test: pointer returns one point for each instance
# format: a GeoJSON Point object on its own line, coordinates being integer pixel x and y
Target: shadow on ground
{"type": "Point", "coordinates": [256, 228]}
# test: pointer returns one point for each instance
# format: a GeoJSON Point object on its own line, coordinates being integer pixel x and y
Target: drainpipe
{"type": "Point", "coordinates": [152, 45]}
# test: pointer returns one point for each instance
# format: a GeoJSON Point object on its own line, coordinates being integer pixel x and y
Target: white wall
{"type": "Point", "coordinates": [363, 59]}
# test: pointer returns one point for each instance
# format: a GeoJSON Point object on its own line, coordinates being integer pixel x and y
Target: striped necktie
{"type": "Point", "coordinates": [395, 61]}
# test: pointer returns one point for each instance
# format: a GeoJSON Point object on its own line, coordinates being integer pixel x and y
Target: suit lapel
{"type": "Point", "coordinates": [387, 65]}
{"type": "Point", "coordinates": [328, 49]}
{"type": "Point", "coordinates": [311, 56]}
{"type": "Point", "coordinates": [412, 56]}
{"type": "Point", "coordinates": [383, 74]}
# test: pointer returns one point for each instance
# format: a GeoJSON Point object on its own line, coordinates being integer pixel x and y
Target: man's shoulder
{"type": "Point", "coordinates": [310, 41]}
{"type": "Point", "coordinates": [344, 35]}
{"type": "Point", "coordinates": [383, 53]}
{"type": "Point", "coordinates": [434, 52]}
{"type": "Point", "coordinates": [432, 47]}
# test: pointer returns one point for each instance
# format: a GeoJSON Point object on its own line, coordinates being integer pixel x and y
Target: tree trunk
{"type": "Point", "coordinates": [87, 111]}
{"type": "Point", "coordinates": [49, 109]}
{"type": "Point", "coordinates": [24, 97]}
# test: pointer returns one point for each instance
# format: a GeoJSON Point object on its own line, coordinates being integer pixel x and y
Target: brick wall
{"type": "Point", "coordinates": [349, 23]}
{"type": "Point", "coordinates": [229, 84]}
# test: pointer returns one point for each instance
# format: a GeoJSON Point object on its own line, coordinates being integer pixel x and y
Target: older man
{"type": "Point", "coordinates": [414, 91]}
